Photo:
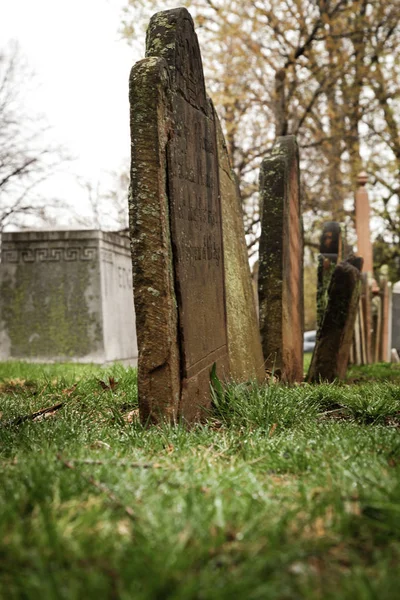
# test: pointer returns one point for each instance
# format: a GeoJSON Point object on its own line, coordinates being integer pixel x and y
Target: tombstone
{"type": "Point", "coordinates": [178, 255]}
{"type": "Point", "coordinates": [280, 278]}
{"type": "Point", "coordinates": [394, 356]}
{"type": "Point", "coordinates": [334, 339]}
{"type": "Point", "coordinates": [366, 312]}
{"type": "Point", "coordinates": [245, 352]}
{"type": "Point", "coordinates": [396, 316]}
{"type": "Point", "coordinates": [330, 252]}
{"type": "Point", "coordinates": [331, 241]}
{"type": "Point", "coordinates": [66, 296]}
{"type": "Point", "coordinates": [385, 286]}
{"type": "Point", "coordinates": [376, 311]}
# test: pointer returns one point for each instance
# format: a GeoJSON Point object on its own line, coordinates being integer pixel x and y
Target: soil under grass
{"type": "Point", "coordinates": [284, 493]}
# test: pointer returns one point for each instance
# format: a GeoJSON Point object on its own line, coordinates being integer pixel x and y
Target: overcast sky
{"type": "Point", "coordinates": [82, 69]}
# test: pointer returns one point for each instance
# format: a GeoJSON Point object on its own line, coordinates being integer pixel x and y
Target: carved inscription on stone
{"type": "Point", "coordinates": [196, 225]}
{"type": "Point", "coordinates": [181, 214]}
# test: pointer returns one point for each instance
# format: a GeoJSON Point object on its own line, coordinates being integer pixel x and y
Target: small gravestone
{"type": "Point", "coordinates": [396, 316]}
{"type": "Point", "coordinates": [280, 278]}
{"type": "Point", "coordinates": [335, 335]}
{"type": "Point", "coordinates": [331, 241]}
{"type": "Point", "coordinates": [175, 216]}
{"type": "Point", "coordinates": [365, 318]}
{"type": "Point", "coordinates": [330, 252]}
{"type": "Point", "coordinates": [384, 285]}
{"type": "Point", "coordinates": [66, 296]}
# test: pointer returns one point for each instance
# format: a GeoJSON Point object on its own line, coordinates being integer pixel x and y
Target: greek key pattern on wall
{"type": "Point", "coordinates": [32, 255]}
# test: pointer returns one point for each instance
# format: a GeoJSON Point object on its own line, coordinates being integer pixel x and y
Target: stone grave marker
{"type": "Point", "coordinates": [335, 335]}
{"type": "Point", "coordinates": [280, 278]}
{"type": "Point", "coordinates": [396, 317]}
{"type": "Point", "coordinates": [67, 295]}
{"type": "Point", "coordinates": [245, 352]}
{"type": "Point", "coordinates": [330, 252]}
{"type": "Point", "coordinates": [176, 230]}
{"type": "Point", "coordinates": [385, 288]}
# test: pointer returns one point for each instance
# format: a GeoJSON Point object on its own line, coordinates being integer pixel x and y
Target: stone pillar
{"type": "Point", "coordinates": [362, 223]}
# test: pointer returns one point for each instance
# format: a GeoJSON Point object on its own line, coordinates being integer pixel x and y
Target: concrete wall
{"type": "Point", "coordinates": [60, 298]}
{"type": "Point", "coordinates": [117, 295]}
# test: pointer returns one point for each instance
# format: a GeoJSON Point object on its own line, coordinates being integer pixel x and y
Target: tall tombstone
{"type": "Point", "coordinates": [177, 186]}
{"type": "Point", "coordinates": [175, 216]}
{"type": "Point", "coordinates": [334, 339]}
{"type": "Point", "coordinates": [245, 352]}
{"type": "Point", "coordinates": [280, 278]}
{"type": "Point", "coordinates": [330, 252]}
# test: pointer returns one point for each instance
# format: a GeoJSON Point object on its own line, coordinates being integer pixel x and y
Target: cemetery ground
{"type": "Point", "coordinates": [283, 493]}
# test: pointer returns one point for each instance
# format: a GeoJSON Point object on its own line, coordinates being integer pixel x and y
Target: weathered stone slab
{"type": "Point", "coordinates": [331, 241]}
{"type": "Point", "coordinates": [175, 212]}
{"type": "Point", "coordinates": [245, 352]}
{"type": "Point", "coordinates": [280, 278]}
{"type": "Point", "coordinates": [330, 252]}
{"type": "Point", "coordinates": [396, 317]}
{"type": "Point", "coordinates": [334, 338]}
{"type": "Point", "coordinates": [384, 285]}
{"type": "Point", "coordinates": [365, 310]}
{"type": "Point", "coordinates": [66, 295]}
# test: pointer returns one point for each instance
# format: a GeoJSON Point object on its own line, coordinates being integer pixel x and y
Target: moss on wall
{"type": "Point", "coordinates": [46, 311]}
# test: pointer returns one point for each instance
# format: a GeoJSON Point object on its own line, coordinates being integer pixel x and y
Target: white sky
{"type": "Point", "coordinates": [82, 68]}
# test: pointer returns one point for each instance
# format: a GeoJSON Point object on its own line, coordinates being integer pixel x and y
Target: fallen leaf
{"type": "Point", "coordinates": [110, 386]}
{"type": "Point", "coordinates": [124, 527]}
{"type": "Point", "coordinates": [69, 391]}
{"type": "Point", "coordinates": [132, 416]}
{"type": "Point", "coordinates": [272, 430]}
{"type": "Point", "coordinates": [100, 444]}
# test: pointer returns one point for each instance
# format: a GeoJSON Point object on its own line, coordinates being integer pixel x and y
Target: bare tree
{"type": "Point", "coordinates": [108, 202]}
{"type": "Point", "coordinates": [26, 158]}
{"type": "Point", "coordinates": [326, 71]}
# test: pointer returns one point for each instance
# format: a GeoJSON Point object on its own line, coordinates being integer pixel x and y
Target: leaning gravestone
{"type": "Point", "coordinates": [66, 295]}
{"type": "Point", "coordinates": [176, 230]}
{"type": "Point", "coordinates": [280, 277]}
{"type": "Point", "coordinates": [335, 335]}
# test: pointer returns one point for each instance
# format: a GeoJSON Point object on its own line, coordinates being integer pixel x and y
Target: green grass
{"type": "Point", "coordinates": [284, 493]}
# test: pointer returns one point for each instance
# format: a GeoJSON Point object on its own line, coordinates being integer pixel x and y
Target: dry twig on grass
{"type": "Point", "coordinates": [100, 486]}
